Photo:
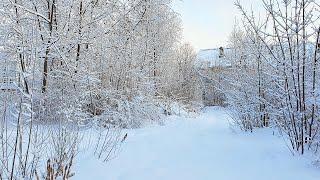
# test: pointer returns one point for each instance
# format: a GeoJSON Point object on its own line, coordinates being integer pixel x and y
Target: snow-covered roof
{"type": "Point", "coordinates": [208, 58]}
{"type": "Point", "coordinates": [8, 86]}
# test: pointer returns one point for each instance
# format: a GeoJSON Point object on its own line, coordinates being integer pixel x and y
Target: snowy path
{"type": "Point", "coordinates": [203, 148]}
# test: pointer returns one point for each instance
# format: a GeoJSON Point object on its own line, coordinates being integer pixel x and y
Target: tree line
{"type": "Point", "coordinates": [275, 78]}
{"type": "Point", "coordinates": [103, 64]}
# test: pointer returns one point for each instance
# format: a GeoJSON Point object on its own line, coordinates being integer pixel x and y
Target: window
{"type": "Point", "coordinates": [5, 80]}
{"type": "Point", "coordinates": [11, 80]}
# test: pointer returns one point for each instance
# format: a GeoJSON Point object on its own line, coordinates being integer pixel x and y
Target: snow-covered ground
{"type": "Point", "coordinates": [202, 148]}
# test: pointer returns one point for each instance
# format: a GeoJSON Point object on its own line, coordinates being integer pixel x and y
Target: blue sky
{"type": "Point", "coordinates": [208, 23]}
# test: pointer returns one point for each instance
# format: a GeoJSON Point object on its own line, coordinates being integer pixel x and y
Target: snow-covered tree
{"type": "Point", "coordinates": [275, 73]}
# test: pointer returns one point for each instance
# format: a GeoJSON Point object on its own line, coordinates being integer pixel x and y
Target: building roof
{"type": "Point", "coordinates": [8, 86]}
{"type": "Point", "coordinates": [208, 58]}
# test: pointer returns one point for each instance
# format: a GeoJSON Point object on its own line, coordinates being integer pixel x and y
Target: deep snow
{"type": "Point", "coordinates": [202, 148]}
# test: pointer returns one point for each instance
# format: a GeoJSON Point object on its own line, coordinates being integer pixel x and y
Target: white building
{"type": "Point", "coordinates": [210, 64]}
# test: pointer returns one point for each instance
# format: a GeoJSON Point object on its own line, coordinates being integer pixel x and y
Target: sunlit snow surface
{"type": "Point", "coordinates": [202, 148]}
